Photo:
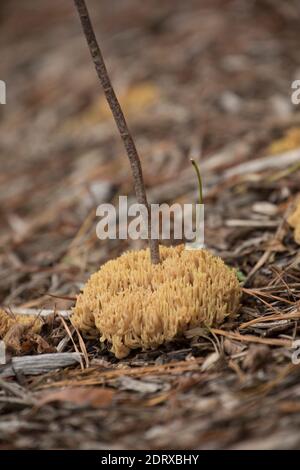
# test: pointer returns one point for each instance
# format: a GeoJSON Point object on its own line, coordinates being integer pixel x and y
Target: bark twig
{"type": "Point", "coordinates": [118, 115]}
{"type": "Point", "coordinates": [36, 365]}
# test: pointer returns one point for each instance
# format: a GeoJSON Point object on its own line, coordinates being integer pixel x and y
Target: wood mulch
{"type": "Point", "coordinates": [209, 80]}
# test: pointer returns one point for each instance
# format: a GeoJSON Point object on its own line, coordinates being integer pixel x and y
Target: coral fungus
{"type": "Point", "coordinates": [30, 322]}
{"type": "Point", "coordinates": [135, 304]}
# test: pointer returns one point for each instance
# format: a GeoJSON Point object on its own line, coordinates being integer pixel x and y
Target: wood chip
{"type": "Point", "coordinates": [35, 365]}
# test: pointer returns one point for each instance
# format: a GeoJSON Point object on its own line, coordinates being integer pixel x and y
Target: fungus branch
{"type": "Point", "coordinates": [118, 115]}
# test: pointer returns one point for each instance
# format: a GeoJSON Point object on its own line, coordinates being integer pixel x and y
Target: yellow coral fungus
{"type": "Point", "coordinates": [7, 321]}
{"type": "Point", "coordinates": [294, 221]}
{"type": "Point", "coordinates": [135, 304]}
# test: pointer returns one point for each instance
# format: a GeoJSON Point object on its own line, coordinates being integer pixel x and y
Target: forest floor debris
{"type": "Point", "coordinates": [200, 87]}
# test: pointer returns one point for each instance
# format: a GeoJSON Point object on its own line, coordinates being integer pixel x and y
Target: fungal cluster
{"type": "Point", "coordinates": [131, 303]}
{"type": "Point", "coordinates": [31, 323]}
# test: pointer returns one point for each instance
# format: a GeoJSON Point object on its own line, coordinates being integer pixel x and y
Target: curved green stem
{"type": "Point", "coordinates": [199, 180]}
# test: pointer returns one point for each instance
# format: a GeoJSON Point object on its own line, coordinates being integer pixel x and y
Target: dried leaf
{"type": "Point", "coordinates": [133, 100]}
{"type": "Point", "coordinates": [82, 396]}
{"type": "Point", "coordinates": [13, 337]}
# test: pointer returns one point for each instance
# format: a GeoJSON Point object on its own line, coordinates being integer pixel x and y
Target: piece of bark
{"type": "Point", "coordinates": [40, 364]}
{"type": "Point", "coordinates": [40, 312]}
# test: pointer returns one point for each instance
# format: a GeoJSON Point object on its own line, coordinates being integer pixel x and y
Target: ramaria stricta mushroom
{"type": "Point", "coordinates": [146, 298]}
{"type": "Point", "coordinates": [136, 304]}
{"type": "Point", "coordinates": [31, 323]}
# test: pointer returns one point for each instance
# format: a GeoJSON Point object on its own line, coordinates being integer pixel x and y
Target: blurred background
{"type": "Point", "coordinates": [208, 79]}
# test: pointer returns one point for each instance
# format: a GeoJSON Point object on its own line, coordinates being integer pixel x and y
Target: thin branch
{"type": "Point", "coordinates": [118, 115]}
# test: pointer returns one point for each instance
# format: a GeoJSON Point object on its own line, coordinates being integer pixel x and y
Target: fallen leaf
{"type": "Point", "coordinates": [13, 338]}
{"type": "Point", "coordinates": [83, 396]}
{"type": "Point", "coordinates": [20, 341]}
{"type": "Point", "coordinates": [133, 100]}
{"type": "Point", "coordinates": [41, 345]}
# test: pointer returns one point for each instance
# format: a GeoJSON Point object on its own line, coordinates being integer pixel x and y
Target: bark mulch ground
{"type": "Point", "coordinates": [209, 80]}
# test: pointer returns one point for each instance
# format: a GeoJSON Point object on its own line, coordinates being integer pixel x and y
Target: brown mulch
{"type": "Point", "coordinates": [207, 79]}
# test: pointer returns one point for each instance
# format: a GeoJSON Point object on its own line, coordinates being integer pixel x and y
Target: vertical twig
{"type": "Point", "coordinates": [117, 112]}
